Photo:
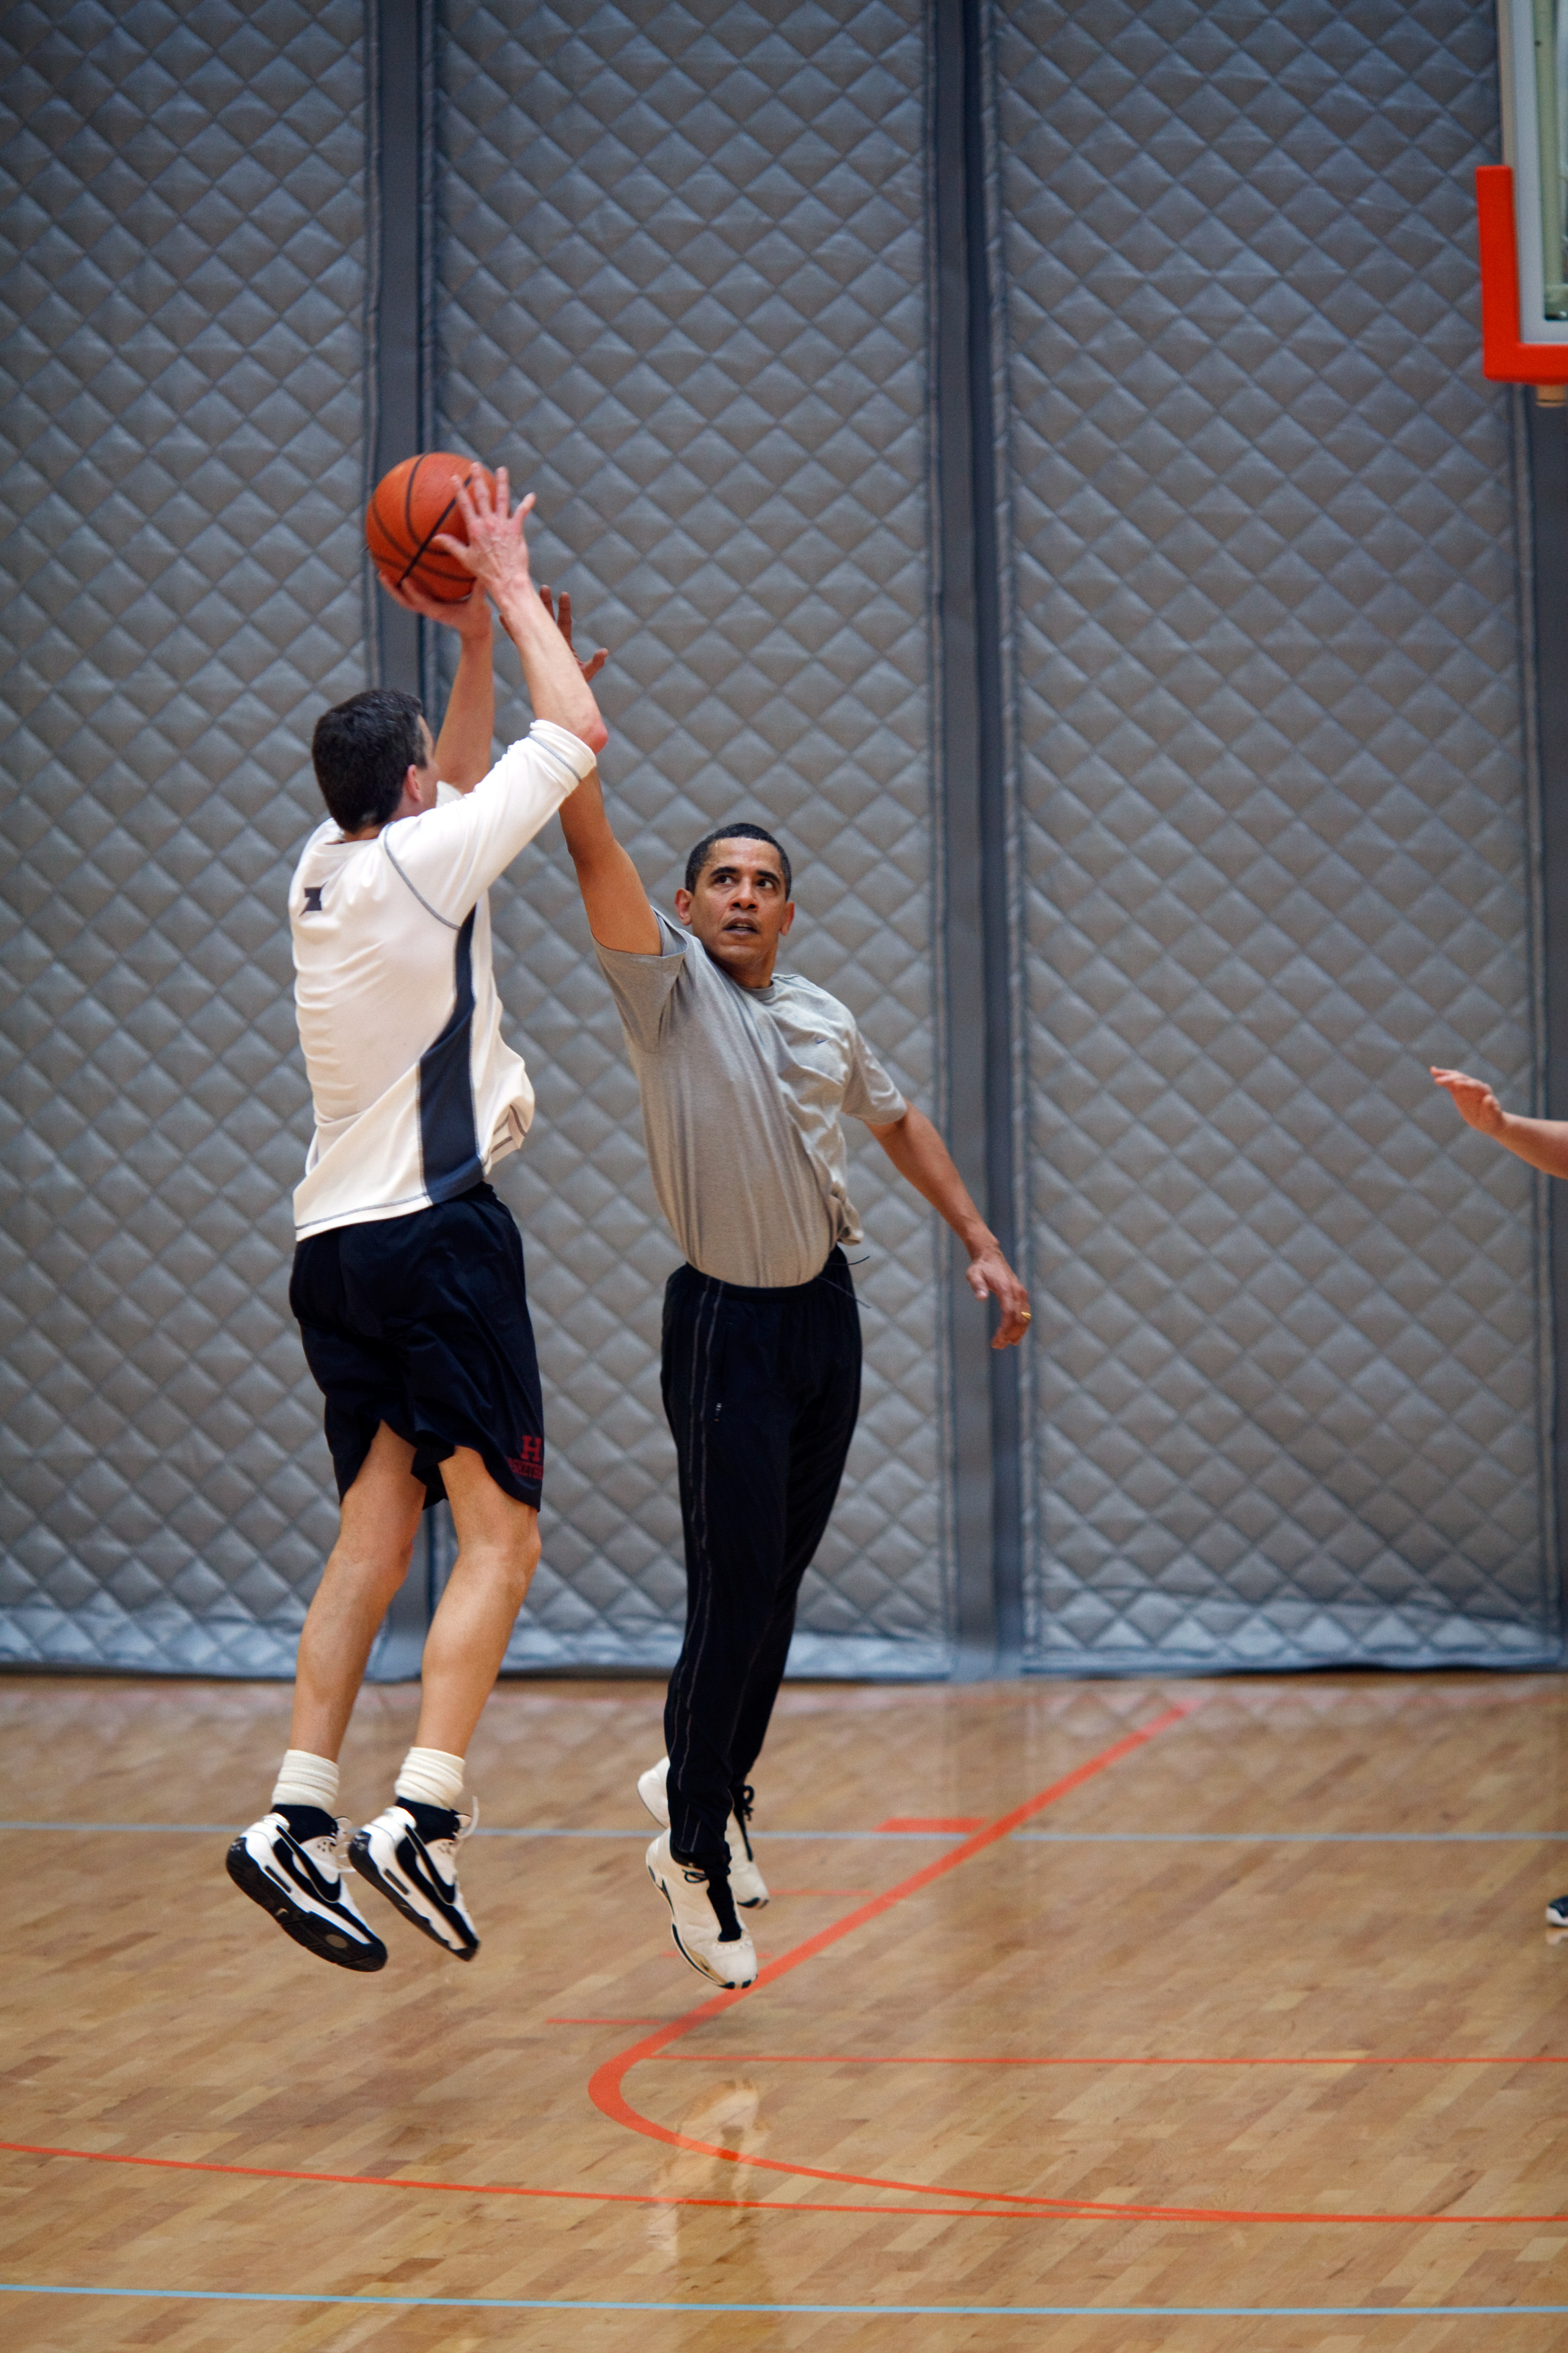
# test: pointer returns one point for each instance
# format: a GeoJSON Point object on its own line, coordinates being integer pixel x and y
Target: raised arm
{"type": "Point", "coordinates": [918, 1154]}
{"type": "Point", "coordinates": [496, 553]}
{"type": "Point", "coordinates": [619, 914]}
{"type": "Point", "coordinates": [1543, 1141]}
{"type": "Point", "coordinates": [467, 741]}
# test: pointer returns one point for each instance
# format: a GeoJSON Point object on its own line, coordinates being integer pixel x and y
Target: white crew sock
{"type": "Point", "coordinates": [306, 1780]}
{"type": "Point", "coordinates": [432, 1775]}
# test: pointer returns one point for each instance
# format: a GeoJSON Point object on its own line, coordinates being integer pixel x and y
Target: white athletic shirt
{"type": "Point", "coordinates": [416, 1096]}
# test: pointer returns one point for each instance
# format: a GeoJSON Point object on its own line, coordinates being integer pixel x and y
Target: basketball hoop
{"type": "Point", "coordinates": [1522, 204]}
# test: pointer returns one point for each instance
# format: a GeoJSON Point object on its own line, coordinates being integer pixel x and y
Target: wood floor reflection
{"type": "Point", "coordinates": [1163, 2013]}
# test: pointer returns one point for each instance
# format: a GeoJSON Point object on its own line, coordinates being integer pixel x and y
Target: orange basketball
{"type": "Point", "coordinates": [408, 508]}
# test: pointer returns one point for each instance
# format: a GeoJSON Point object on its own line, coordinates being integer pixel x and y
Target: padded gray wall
{"type": "Point", "coordinates": [1287, 1377]}
{"type": "Point", "coordinates": [682, 291]}
{"type": "Point", "coordinates": [1290, 1398]}
{"type": "Point", "coordinates": [181, 213]}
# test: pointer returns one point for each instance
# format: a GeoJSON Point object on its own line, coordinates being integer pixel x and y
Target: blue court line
{"type": "Point", "coordinates": [853, 2311]}
{"type": "Point", "coordinates": [954, 1838]}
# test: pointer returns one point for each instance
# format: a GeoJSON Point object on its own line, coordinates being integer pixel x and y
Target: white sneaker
{"type": "Point", "coordinates": [299, 1880]}
{"type": "Point", "coordinates": [717, 1946]}
{"type": "Point", "coordinates": [416, 1869]}
{"type": "Point", "coordinates": [747, 1885]}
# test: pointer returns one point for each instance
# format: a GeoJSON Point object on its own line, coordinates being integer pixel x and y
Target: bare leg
{"type": "Point", "coordinates": [498, 1552]}
{"type": "Point", "coordinates": [368, 1563]}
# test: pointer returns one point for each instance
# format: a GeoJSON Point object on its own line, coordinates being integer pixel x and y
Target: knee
{"type": "Point", "coordinates": [376, 1571]}
{"type": "Point", "coordinates": [527, 1551]}
{"type": "Point", "coordinates": [509, 1561]}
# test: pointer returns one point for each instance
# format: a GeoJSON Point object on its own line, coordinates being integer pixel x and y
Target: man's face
{"type": "Point", "coordinates": [738, 909]}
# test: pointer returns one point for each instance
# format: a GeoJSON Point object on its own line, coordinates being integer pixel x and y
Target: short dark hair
{"type": "Point", "coordinates": [363, 749]}
{"type": "Point", "coordinates": [741, 832]}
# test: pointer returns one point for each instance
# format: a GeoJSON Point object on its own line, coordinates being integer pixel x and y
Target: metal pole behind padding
{"type": "Point", "coordinates": [400, 388]}
{"type": "Point", "coordinates": [976, 947]}
{"type": "Point", "coordinates": [1548, 432]}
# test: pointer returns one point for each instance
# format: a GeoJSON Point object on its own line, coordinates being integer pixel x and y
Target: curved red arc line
{"type": "Point", "coordinates": [604, 2087]}
{"type": "Point", "coordinates": [981, 2204]}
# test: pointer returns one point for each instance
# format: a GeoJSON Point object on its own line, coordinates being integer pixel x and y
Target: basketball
{"type": "Point", "coordinates": [410, 506]}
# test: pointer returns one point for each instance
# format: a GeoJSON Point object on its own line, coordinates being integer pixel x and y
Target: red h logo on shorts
{"type": "Point", "coordinates": [528, 1462]}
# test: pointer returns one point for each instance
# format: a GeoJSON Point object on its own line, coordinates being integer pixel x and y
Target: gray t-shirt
{"type": "Point", "coordinates": [742, 1090]}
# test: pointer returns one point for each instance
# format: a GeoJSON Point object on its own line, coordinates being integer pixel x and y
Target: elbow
{"type": "Point", "coordinates": [595, 734]}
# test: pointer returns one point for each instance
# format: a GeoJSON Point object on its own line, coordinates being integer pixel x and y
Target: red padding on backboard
{"type": "Point", "coordinates": [1504, 358]}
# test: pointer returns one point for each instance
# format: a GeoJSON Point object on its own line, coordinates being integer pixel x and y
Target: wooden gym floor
{"type": "Point", "coordinates": [1217, 2017]}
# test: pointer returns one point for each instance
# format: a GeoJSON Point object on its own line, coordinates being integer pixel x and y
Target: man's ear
{"type": "Point", "coordinates": [788, 918]}
{"type": "Point", "coordinates": [683, 906]}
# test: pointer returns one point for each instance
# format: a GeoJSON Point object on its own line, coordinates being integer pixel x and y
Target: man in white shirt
{"type": "Point", "coordinates": [745, 1075]}
{"type": "Point", "coordinates": [409, 1277]}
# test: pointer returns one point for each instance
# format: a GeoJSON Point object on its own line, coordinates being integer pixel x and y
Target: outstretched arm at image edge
{"type": "Point", "coordinates": [619, 912]}
{"type": "Point", "coordinates": [1543, 1142]}
{"type": "Point", "coordinates": [918, 1154]}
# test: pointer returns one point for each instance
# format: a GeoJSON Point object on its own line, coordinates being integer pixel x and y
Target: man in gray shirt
{"type": "Point", "coordinates": [745, 1072]}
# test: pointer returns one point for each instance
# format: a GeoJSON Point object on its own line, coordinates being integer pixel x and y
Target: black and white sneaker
{"type": "Point", "coordinates": [1557, 1912]}
{"type": "Point", "coordinates": [410, 1854]}
{"type": "Point", "coordinates": [747, 1885]}
{"type": "Point", "coordinates": [702, 1918]}
{"type": "Point", "coordinates": [288, 1863]}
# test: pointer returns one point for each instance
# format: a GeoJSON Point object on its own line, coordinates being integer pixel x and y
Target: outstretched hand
{"type": "Point", "coordinates": [989, 1276]}
{"type": "Point", "coordinates": [1476, 1104]}
{"type": "Point", "coordinates": [563, 620]}
{"type": "Point", "coordinates": [495, 550]}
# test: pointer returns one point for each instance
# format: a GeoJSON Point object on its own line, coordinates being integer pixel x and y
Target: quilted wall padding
{"type": "Point", "coordinates": [682, 293]}
{"type": "Point", "coordinates": [182, 284]}
{"type": "Point", "coordinates": [1273, 840]}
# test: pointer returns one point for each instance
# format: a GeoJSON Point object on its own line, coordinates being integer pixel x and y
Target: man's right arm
{"type": "Point", "coordinates": [496, 553]}
{"type": "Point", "coordinates": [495, 550]}
{"type": "Point", "coordinates": [619, 912]}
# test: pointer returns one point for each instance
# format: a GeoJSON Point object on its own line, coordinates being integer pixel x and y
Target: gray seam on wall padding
{"type": "Point", "coordinates": [399, 310]}
{"type": "Point", "coordinates": [979, 1006]}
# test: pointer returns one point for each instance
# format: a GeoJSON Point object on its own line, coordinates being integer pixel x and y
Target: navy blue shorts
{"type": "Point", "coordinates": [423, 1323]}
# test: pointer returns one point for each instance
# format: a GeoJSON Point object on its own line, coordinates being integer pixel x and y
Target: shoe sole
{"type": "Point", "coordinates": [730, 1985]}
{"type": "Point", "coordinates": [365, 1863]}
{"type": "Point", "coordinates": [317, 1937]}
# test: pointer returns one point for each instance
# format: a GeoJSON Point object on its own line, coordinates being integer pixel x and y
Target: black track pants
{"type": "Point", "coordinates": [761, 1388]}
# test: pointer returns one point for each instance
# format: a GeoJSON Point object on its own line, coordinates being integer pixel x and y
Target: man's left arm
{"type": "Point", "coordinates": [918, 1154]}
{"type": "Point", "coordinates": [465, 747]}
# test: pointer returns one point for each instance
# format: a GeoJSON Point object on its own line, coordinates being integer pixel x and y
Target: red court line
{"type": "Point", "coordinates": [932, 1822]}
{"type": "Point", "coordinates": [989, 2206]}
{"type": "Point", "coordinates": [868, 2059]}
{"type": "Point", "coordinates": [604, 2087]}
{"type": "Point", "coordinates": [981, 2204]}
{"type": "Point", "coordinates": [486, 2189]}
